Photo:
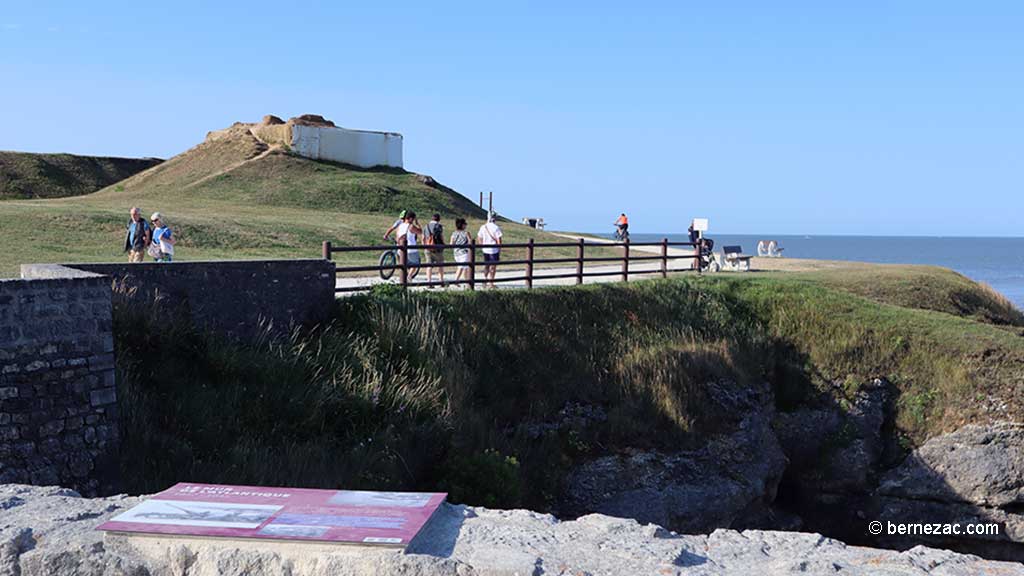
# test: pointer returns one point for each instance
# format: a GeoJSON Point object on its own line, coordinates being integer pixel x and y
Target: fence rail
{"type": "Point", "coordinates": [530, 272]}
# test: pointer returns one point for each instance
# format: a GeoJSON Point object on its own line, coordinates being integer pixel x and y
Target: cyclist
{"type": "Point", "coordinates": [622, 224]}
{"type": "Point", "coordinates": [401, 219]}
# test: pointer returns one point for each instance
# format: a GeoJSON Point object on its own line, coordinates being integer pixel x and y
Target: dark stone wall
{"type": "Point", "coordinates": [58, 399]}
{"type": "Point", "coordinates": [233, 298]}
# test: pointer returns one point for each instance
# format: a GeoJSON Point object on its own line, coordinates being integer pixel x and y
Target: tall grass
{"type": "Point", "coordinates": [494, 396]}
{"type": "Point", "coordinates": [409, 392]}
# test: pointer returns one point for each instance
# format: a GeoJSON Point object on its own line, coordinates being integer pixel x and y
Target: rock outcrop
{"type": "Point", "coordinates": [974, 475]}
{"type": "Point", "coordinates": [52, 531]}
{"type": "Point", "coordinates": [729, 480]}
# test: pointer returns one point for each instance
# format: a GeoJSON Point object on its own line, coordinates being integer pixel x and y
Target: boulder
{"type": "Point", "coordinates": [271, 120]}
{"type": "Point", "coordinates": [50, 531]}
{"type": "Point", "coordinates": [980, 465]}
{"type": "Point", "coordinates": [974, 475]}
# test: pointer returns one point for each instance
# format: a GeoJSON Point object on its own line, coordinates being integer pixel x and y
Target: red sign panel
{"type": "Point", "coordinates": [338, 516]}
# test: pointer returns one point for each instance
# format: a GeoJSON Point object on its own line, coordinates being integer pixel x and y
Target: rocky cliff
{"type": "Point", "coordinates": [52, 531]}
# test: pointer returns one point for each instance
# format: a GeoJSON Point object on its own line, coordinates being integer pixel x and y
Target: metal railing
{"type": "Point", "coordinates": [529, 263]}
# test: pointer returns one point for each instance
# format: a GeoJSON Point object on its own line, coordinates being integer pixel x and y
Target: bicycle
{"type": "Point", "coordinates": [621, 234]}
{"type": "Point", "coordinates": [389, 263]}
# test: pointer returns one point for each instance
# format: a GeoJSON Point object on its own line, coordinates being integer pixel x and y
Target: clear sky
{"type": "Point", "coordinates": [901, 117]}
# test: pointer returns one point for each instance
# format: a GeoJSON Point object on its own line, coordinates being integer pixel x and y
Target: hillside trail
{"type": "Point", "coordinates": [270, 150]}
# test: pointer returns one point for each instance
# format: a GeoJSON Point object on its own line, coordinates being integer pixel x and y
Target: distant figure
{"type": "Point", "coordinates": [695, 237]}
{"type": "Point", "coordinates": [406, 234]}
{"type": "Point", "coordinates": [401, 218]}
{"type": "Point", "coordinates": [434, 236]}
{"type": "Point", "coordinates": [163, 239]}
{"type": "Point", "coordinates": [622, 224]}
{"type": "Point", "coordinates": [137, 237]}
{"type": "Point", "coordinates": [461, 238]}
{"type": "Point", "coordinates": [489, 236]}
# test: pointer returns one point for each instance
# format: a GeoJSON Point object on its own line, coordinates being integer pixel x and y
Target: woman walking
{"type": "Point", "coordinates": [459, 239]}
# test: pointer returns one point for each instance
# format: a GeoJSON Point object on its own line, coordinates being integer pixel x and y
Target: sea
{"type": "Point", "coordinates": [998, 262]}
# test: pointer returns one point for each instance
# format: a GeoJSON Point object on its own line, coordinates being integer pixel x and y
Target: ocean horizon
{"type": "Point", "coordinates": [995, 260]}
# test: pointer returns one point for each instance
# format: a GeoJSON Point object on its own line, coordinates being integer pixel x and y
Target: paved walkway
{"type": "Point", "coordinates": [636, 270]}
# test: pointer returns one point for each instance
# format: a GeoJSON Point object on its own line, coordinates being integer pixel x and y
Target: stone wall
{"type": "Point", "coordinates": [58, 400]}
{"type": "Point", "coordinates": [233, 298]}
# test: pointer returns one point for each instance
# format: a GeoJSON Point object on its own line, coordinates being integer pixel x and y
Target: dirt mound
{"type": "Point", "coordinates": [311, 120]}
{"type": "Point", "coordinates": [271, 120]}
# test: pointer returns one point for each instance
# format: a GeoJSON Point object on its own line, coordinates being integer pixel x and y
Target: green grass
{"type": "Point", "coordinates": [25, 175]}
{"type": "Point", "coordinates": [233, 198]}
{"type": "Point", "coordinates": [458, 391]}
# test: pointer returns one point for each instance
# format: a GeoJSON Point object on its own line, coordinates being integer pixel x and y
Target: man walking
{"type": "Point", "coordinates": [137, 237]}
{"type": "Point", "coordinates": [489, 237]}
{"type": "Point", "coordinates": [434, 236]}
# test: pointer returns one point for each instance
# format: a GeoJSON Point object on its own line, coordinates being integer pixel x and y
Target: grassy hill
{"type": "Point", "coordinates": [231, 197]}
{"type": "Point", "coordinates": [27, 175]}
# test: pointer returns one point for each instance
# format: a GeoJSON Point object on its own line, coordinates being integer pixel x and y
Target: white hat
{"type": "Point", "coordinates": [155, 216]}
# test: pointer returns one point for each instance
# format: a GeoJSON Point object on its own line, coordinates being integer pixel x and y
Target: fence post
{"type": "Point", "coordinates": [403, 253]}
{"type": "Point", "coordinates": [625, 260]}
{"type": "Point", "coordinates": [579, 262]}
{"type": "Point", "coordinates": [327, 250]}
{"type": "Point", "coordinates": [472, 258]}
{"type": "Point", "coordinates": [529, 263]}
{"type": "Point", "coordinates": [664, 257]}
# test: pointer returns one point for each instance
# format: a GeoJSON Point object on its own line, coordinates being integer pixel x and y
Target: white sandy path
{"type": "Point", "coordinates": [637, 270]}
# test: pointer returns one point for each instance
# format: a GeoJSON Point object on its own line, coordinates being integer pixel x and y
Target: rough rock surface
{"type": "Point", "coordinates": [973, 475]}
{"type": "Point", "coordinates": [52, 531]}
{"type": "Point", "coordinates": [731, 478]}
{"type": "Point", "coordinates": [981, 465]}
{"type": "Point", "coordinates": [691, 491]}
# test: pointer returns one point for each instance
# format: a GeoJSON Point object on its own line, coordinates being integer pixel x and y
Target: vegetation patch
{"type": "Point", "coordinates": [494, 396]}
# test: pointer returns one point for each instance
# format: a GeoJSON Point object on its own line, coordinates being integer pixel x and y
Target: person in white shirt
{"type": "Point", "coordinates": [489, 237]}
{"type": "Point", "coordinates": [406, 233]}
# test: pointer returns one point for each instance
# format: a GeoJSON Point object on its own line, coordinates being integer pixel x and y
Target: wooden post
{"type": "Point", "coordinates": [579, 262]}
{"type": "Point", "coordinates": [625, 260]}
{"type": "Point", "coordinates": [664, 257]}
{"type": "Point", "coordinates": [403, 255]}
{"type": "Point", "coordinates": [327, 250]}
{"type": "Point", "coordinates": [472, 258]}
{"type": "Point", "coordinates": [529, 263]}
{"type": "Point", "coordinates": [481, 199]}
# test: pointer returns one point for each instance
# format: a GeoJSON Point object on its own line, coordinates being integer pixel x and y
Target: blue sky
{"type": "Point", "coordinates": [785, 117]}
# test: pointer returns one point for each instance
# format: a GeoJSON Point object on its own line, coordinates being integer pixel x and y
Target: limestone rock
{"type": "Point", "coordinates": [980, 465]}
{"type": "Point", "coordinates": [51, 531]}
{"type": "Point", "coordinates": [731, 477]}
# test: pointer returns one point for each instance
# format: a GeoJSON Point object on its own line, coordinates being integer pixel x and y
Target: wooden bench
{"type": "Point", "coordinates": [734, 259]}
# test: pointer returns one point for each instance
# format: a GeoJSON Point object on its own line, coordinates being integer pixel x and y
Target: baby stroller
{"type": "Point", "coordinates": [706, 261]}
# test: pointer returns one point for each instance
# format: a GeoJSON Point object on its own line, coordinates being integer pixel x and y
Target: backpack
{"type": "Point", "coordinates": [436, 235]}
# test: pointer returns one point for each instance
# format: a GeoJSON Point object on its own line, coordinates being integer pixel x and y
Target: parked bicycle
{"type": "Point", "coordinates": [389, 264]}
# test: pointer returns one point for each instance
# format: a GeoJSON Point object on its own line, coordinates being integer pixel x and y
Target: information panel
{"type": "Point", "coordinates": [332, 516]}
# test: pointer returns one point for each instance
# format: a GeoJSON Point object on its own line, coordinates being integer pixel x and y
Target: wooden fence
{"type": "Point", "coordinates": [531, 265]}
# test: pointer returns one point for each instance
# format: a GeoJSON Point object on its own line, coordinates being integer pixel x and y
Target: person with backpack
{"type": "Point", "coordinates": [434, 238]}
{"type": "Point", "coordinates": [489, 236]}
{"type": "Point", "coordinates": [163, 239]}
{"type": "Point", "coordinates": [137, 236]}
